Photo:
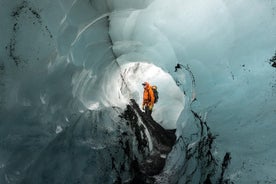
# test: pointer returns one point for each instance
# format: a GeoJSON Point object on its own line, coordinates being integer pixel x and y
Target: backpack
{"type": "Point", "coordinates": [155, 92]}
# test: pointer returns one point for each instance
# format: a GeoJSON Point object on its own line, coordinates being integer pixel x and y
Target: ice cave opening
{"type": "Point", "coordinates": [117, 88]}
{"type": "Point", "coordinates": [171, 101]}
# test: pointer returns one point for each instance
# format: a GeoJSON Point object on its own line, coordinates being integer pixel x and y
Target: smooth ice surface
{"type": "Point", "coordinates": [64, 59]}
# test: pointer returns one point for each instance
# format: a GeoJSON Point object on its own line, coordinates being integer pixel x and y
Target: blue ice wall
{"type": "Point", "coordinates": [58, 60]}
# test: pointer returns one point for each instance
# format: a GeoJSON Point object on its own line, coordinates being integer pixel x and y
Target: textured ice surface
{"type": "Point", "coordinates": [65, 59]}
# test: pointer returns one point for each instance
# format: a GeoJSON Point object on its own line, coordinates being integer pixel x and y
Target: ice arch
{"type": "Point", "coordinates": [172, 99]}
{"type": "Point", "coordinates": [119, 86]}
{"type": "Point", "coordinates": [216, 51]}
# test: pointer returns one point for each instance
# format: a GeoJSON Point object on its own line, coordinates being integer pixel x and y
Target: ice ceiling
{"type": "Point", "coordinates": [68, 69]}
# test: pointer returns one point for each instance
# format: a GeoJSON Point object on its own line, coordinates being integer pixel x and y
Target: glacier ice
{"type": "Point", "coordinates": [68, 69]}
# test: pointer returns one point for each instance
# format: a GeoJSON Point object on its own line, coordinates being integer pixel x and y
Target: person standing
{"type": "Point", "coordinates": [148, 98]}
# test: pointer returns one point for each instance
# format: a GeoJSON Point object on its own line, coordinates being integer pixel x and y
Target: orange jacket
{"type": "Point", "coordinates": [148, 98]}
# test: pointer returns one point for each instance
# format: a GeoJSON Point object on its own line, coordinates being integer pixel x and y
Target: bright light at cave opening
{"type": "Point", "coordinates": [171, 99]}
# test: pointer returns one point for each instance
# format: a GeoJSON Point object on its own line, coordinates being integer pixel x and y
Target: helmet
{"type": "Point", "coordinates": [145, 83]}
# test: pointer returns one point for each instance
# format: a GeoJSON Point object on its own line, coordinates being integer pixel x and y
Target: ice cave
{"type": "Point", "coordinates": [70, 91]}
